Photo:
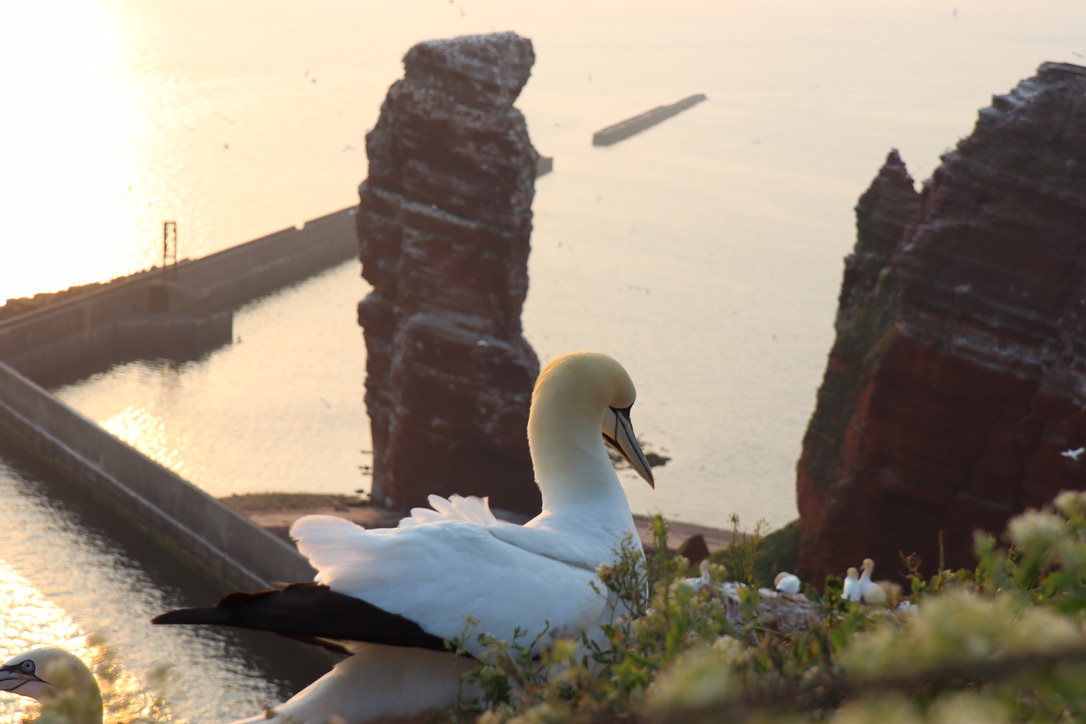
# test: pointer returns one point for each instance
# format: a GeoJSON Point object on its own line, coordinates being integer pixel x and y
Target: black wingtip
{"type": "Point", "coordinates": [309, 612]}
{"type": "Point", "coordinates": [191, 616]}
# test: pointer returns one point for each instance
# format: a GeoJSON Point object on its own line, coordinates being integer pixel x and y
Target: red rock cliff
{"type": "Point", "coordinates": [958, 376]}
{"type": "Point", "coordinates": [443, 228]}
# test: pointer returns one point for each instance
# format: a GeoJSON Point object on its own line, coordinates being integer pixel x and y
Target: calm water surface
{"type": "Point", "coordinates": [705, 253]}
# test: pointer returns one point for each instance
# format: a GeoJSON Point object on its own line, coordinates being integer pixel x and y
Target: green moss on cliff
{"type": "Point", "coordinates": [860, 344]}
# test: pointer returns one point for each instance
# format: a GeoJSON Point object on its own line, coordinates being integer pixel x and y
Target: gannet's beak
{"type": "Point", "coordinates": [618, 433]}
{"type": "Point", "coordinates": [16, 675]}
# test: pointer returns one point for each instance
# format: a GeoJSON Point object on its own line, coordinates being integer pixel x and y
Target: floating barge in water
{"type": "Point", "coordinates": [624, 129]}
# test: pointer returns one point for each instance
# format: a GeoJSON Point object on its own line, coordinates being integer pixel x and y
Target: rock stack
{"type": "Point", "coordinates": [443, 228]}
{"type": "Point", "coordinates": [955, 392]}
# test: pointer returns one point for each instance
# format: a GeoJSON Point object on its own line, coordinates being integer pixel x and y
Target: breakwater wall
{"type": "Point", "coordinates": [643, 121]}
{"type": "Point", "coordinates": [175, 313]}
{"type": "Point", "coordinates": [233, 276]}
{"type": "Point", "coordinates": [188, 522]}
{"type": "Point", "coordinates": [178, 312]}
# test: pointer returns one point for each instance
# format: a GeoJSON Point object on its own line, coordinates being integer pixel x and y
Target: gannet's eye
{"type": "Point", "coordinates": [27, 666]}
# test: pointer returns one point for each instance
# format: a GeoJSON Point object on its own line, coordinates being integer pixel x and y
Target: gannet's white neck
{"type": "Point", "coordinates": [572, 467]}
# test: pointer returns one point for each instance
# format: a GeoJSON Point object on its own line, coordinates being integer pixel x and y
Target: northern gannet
{"type": "Point", "coordinates": [786, 582]}
{"type": "Point", "coordinates": [851, 590]}
{"type": "Point", "coordinates": [392, 597]}
{"type": "Point", "coordinates": [59, 680]}
{"type": "Point", "coordinates": [870, 591]}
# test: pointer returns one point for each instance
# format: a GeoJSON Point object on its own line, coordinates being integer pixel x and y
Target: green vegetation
{"type": "Point", "coordinates": [862, 341]}
{"type": "Point", "coordinates": [1004, 642]}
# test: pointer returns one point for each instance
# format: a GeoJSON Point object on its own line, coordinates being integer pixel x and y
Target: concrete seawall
{"type": "Point", "coordinates": [181, 311]}
{"type": "Point", "coordinates": [241, 273]}
{"type": "Point", "coordinates": [189, 522]}
{"type": "Point", "coordinates": [643, 121]}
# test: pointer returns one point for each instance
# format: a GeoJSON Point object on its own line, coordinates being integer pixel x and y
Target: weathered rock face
{"type": "Point", "coordinates": [443, 228]}
{"type": "Point", "coordinates": [958, 376]}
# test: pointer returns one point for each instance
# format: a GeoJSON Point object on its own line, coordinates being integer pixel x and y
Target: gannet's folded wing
{"type": "Point", "coordinates": [468, 509]}
{"type": "Point", "coordinates": [586, 541]}
{"type": "Point", "coordinates": [444, 577]}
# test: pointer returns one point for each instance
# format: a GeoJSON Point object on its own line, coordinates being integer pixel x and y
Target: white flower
{"type": "Point", "coordinates": [1036, 531]}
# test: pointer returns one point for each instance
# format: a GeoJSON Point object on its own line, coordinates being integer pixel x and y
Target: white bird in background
{"type": "Point", "coordinates": [786, 582]}
{"type": "Point", "coordinates": [851, 589]}
{"type": "Point", "coordinates": [870, 591]}
{"type": "Point", "coordinates": [1074, 454]}
{"type": "Point", "coordinates": [392, 597]}
{"type": "Point", "coordinates": [59, 680]}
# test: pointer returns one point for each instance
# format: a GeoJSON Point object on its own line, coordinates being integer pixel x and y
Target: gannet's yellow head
{"type": "Point", "coordinates": [589, 386]}
{"type": "Point", "coordinates": [54, 676]}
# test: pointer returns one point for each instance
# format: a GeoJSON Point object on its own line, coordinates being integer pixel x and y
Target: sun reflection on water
{"type": "Point", "coordinates": [147, 432]}
{"type": "Point", "coordinates": [31, 620]}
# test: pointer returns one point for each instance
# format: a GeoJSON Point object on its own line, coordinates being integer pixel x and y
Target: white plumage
{"type": "Point", "coordinates": [870, 591]}
{"type": "Point", "coordinates": [455, 562]}
{"type": "Point", "coordinates": [851, 589]}
{"type": "Point", "coordinates": [435, 573]}
{"type": "Point", "coordinates": [59, 680]}
{"type": "Point", "coordinates": [786, 582]}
